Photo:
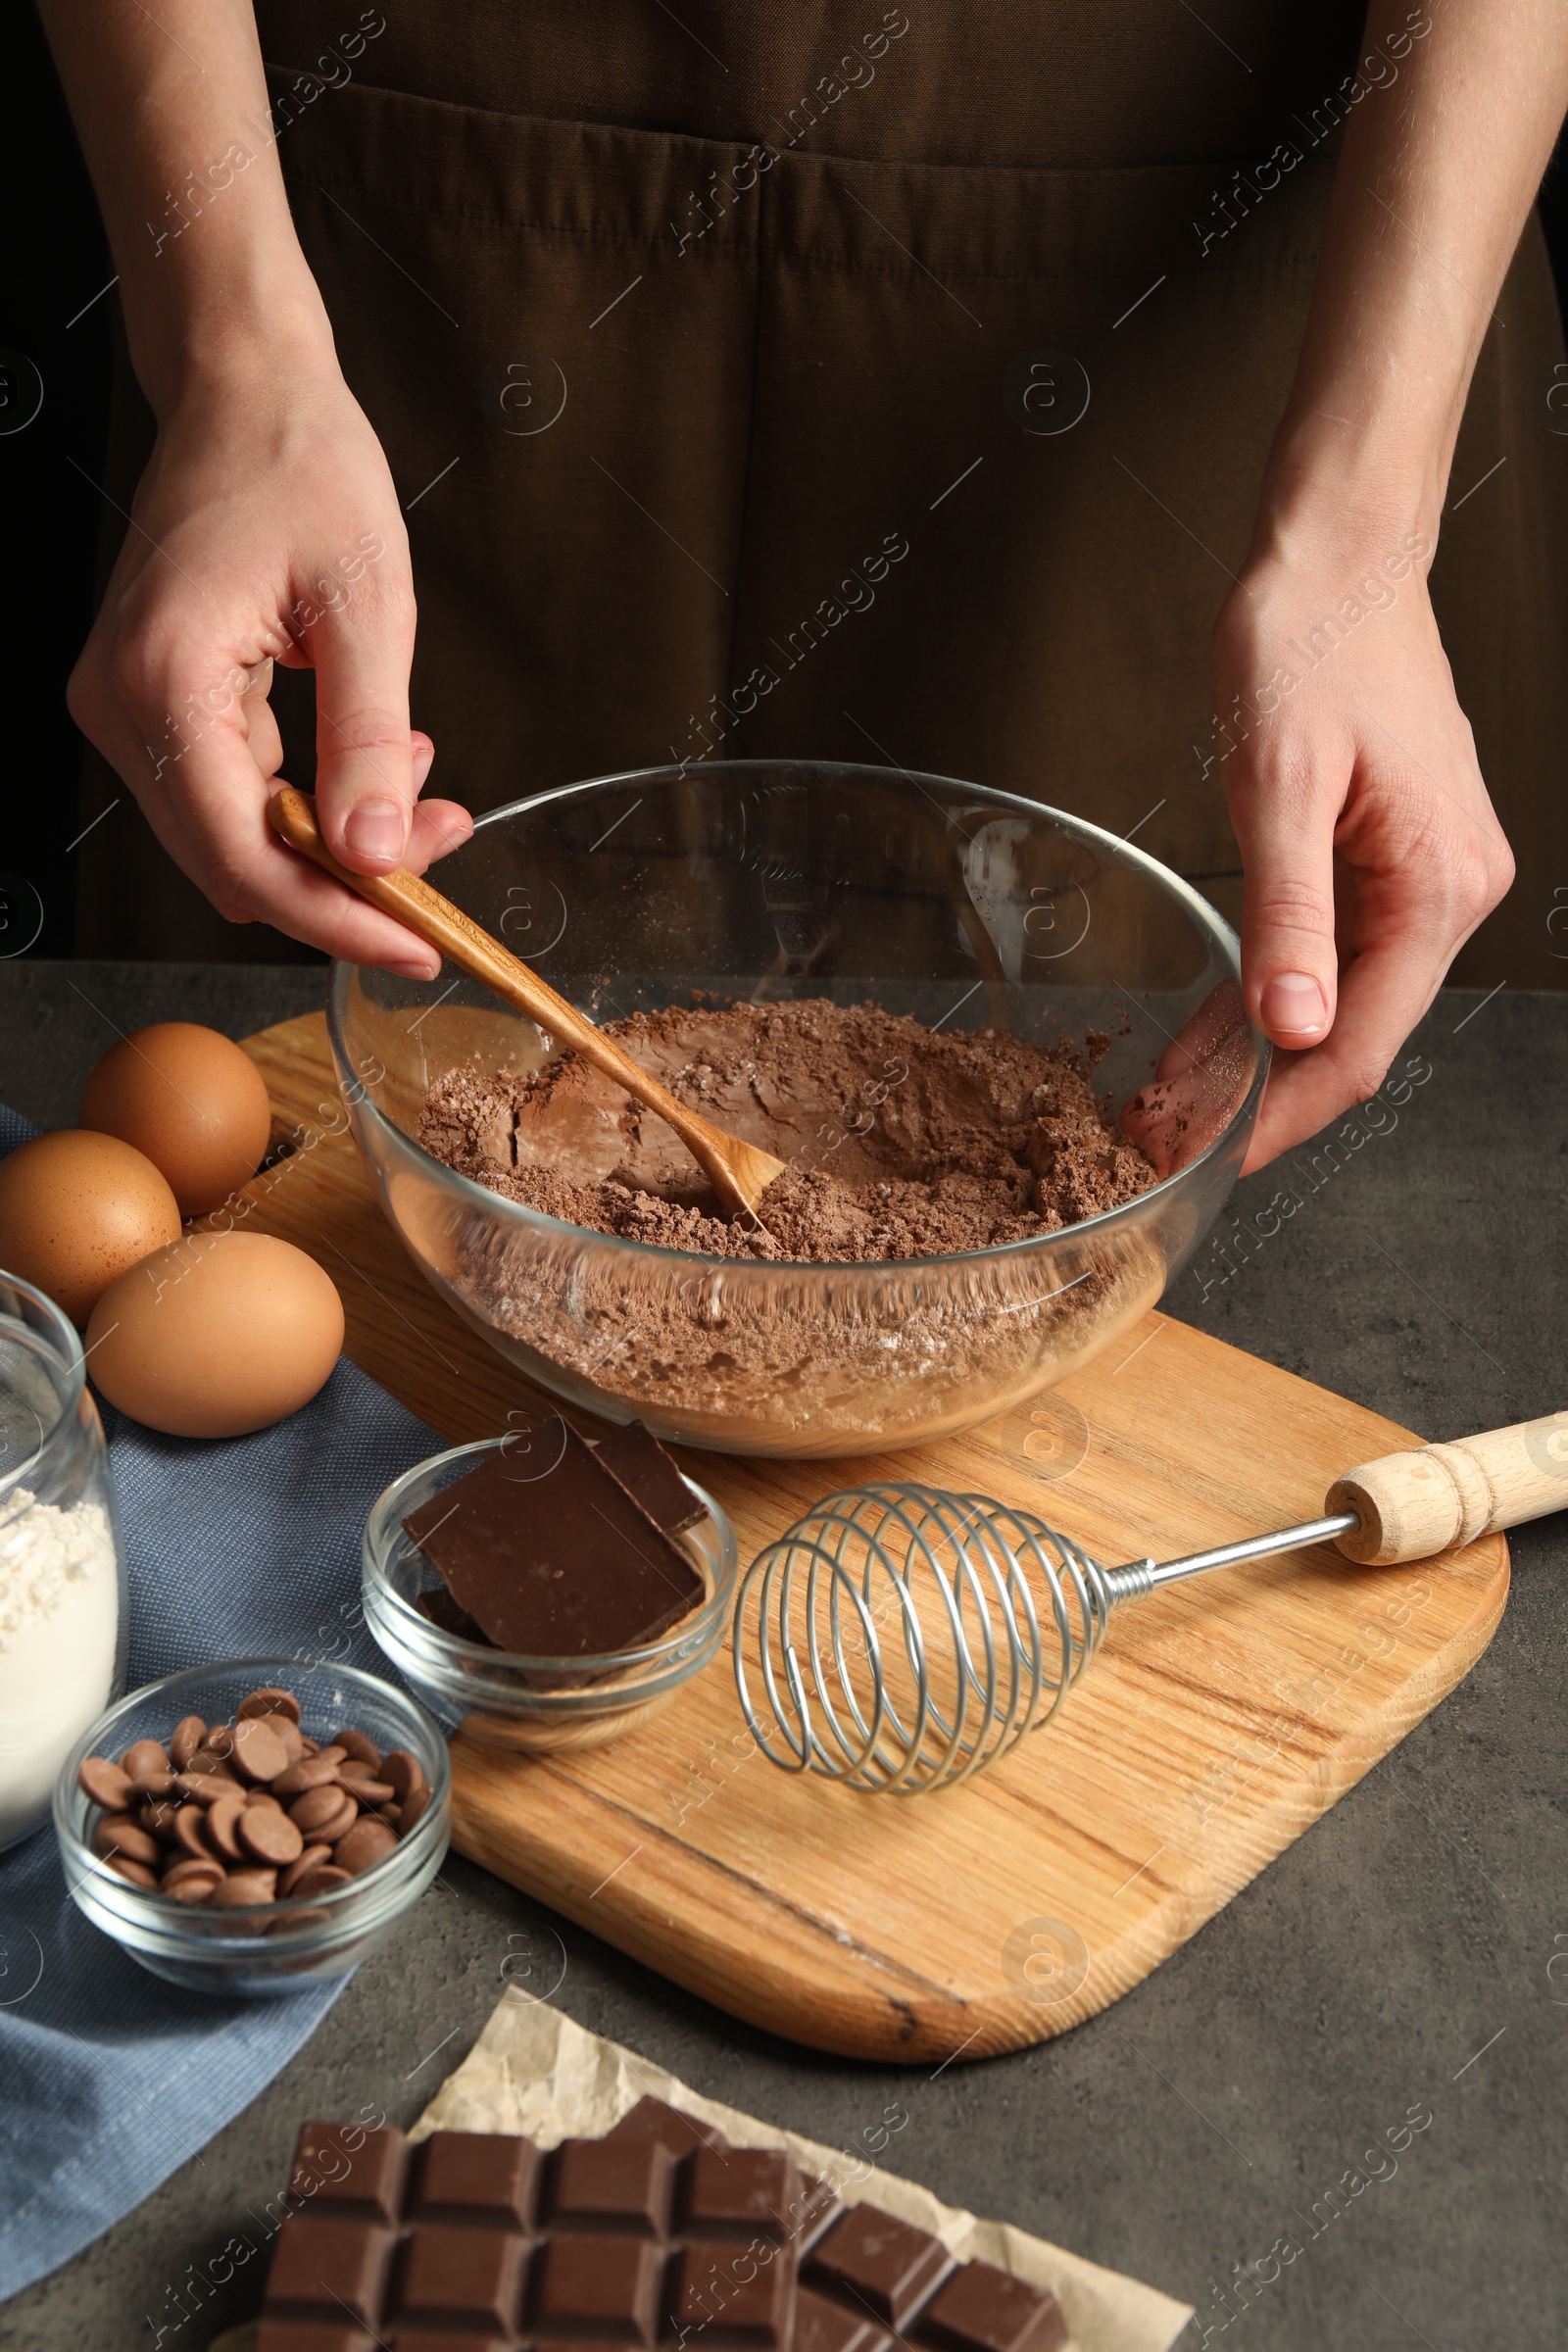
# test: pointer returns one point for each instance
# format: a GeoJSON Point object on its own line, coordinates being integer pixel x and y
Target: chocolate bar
{"type": "Point", "coordinates": [550, 1556]}
{"type": "Point", "coordinates": [660, 2238]}
{"type": "Point", "coordinates": [650, 1477]}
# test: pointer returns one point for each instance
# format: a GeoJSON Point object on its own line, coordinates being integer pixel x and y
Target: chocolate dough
{"type": "Point", "coordinates": [899, 1141]}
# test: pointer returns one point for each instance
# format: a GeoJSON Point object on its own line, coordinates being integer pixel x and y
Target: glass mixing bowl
{"type": "Point", "coordinates": [744, 879]}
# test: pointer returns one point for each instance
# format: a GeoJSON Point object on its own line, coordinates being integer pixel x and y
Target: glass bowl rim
{"type": "Point", "coordinates": [1211, 923]}
{"type": "Point", "coordinates": [382, 1518]}
{"type": "Point", "coordinates": [157, 1912]}
{"type": "Point", "coordinates": [74, 1364]}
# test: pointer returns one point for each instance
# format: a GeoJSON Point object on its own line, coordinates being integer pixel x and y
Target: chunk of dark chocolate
{"type": "Point", "coordinates": [813, 2212]}
{"type": "Point", "coordinates": [349, 2172]}
{"type": "Point", "coordinates": [745, 2194]}
{"type": "Point", "coordinates": [729, 2293]}
{"type": "Point", "coordinates": [984, 2308]}
{"type": "Point", "coordinates": [329, 2269]}
{"type": "Point", "coordinates": [821, 2325]}
{"type": "Point", "coordinates": [461, 2275]}
{"type": "Point", "coordinates": [650, 1477]}
{"type": "Point", "coordinates": [885, 2267]}
{"type": "Point", "coordinates": [603, 2288]}
{"type": "Point", "coordinates": [552, 1557]}
{"type": "Point", "coordinates": [477, 2178]}
{"type": "Point", "coordinates": [439, 1606]}
{"type": "Point", "coordinates": [656, 2118]}
{"type": "Point", "coordinates": [623, 2187]}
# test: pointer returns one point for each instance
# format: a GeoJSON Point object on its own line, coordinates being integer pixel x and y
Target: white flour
{"type": "Point", "coordinates": [59, 1621]}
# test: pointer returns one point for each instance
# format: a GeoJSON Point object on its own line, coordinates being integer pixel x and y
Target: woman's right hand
{"type": "Point", "coordinates": [267, 529]}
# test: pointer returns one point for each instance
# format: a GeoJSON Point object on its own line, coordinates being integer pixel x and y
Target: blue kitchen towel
{"type": "Point", "coordinates": [244, 1548]}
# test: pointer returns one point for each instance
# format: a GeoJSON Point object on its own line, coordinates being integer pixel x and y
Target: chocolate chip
{"type": "Point", "coordinates": [355, 1743]}
{"type": "Point", "coordinates": [270, 1700]}
{"type": "Point", "coordinates": [258, 1750]}
{"type": "Point", "coordinates": [263, 1797]}
{"type": "Point", "coordinates": [311, 1772]}
{"type": "Point", "coordinates": [222, 1828]}
{"type": "Point", "coordinates": [310, 1859]}
{"type": "Point", "coordinates": [412, 1810]}
{"type": "Point", "coordinates": [199, 1888]}
{"type": "Point", "coordinates": [269, 1834]}
{"type": "Point", "coordinates": [136, 1872]}
{"type": "Point", "coordinates": [191, 1833]}
{"type": "Point", "coordinates": [329, 1832]}
{"type": "Point", "coordinates": [158, 1818]}
{"type": "Point", "coordinates": [186, 1738]}
{"type": "Point", "coordinates": [368, 1842]}
{"type": "Point", "coordinates": [205, 1766]}
{"type": "Point", "coordinates": [245, 1886]}
{"type": "Point", "coordinates": [318, 1805]}
{"type": "Point", "coordinates": [403, 1770]}
{"type": "Point", "coordinates": [368, 1792]}
{"type": "Point", "coordinates": [104, 1783]}
{"type": "Point", "coordinates": [146, 1755]}
{"type": "Point", "coordinates": [217, 1742]}
{"type": "Point", "coordinates": [191, 1866]}
{"type": "Point", "coordinates": [320, 1879]}
{"type": "Point", "coordinates": [154, 1784]}
{"type": "Point", "coordinates": [118, 1833]}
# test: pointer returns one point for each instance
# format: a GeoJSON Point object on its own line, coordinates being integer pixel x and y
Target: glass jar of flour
{"type": "Point", "coordinates": [61, 1573]}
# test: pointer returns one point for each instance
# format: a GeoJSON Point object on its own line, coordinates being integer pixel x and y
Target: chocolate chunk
{"type": "Point", "coordinates": [146, 1755]}
{"type": "Point", "coordinates": [367, 1843]}
{"type": "Point", "coordinates": [329, 2269]}
{"type": "Point", "coordinates": [814, 2214]}
{"type": "Point", "coordinates": [733, 2294]}
{"type": "Point", "coordinates": [561, 1564]}
{"type": "Point", "coordinates": [439, 1606]}
{"type": "Point", "coordinates": [348, 2173]}
{"type": "Point", "coordinates": [656, 2118]}
{"type": "Point", "coordinates": [745, 2194]}
{"type": "Point", "coordinates": [257, 1753]}
{"type": "Point", "coordinates": [270, 1701]}
{"type": "Point", "coordinates": [362, 1749]}
{"type": "Point", "coordinates": [186, 1738]}
{"type": "Point", "coordinates": [821, 2325]}
{"type": "Point", "coordinates": [479, 2177]}
{"type": "Point", "coordinates": [104, 1784]}
{"type": "Point", "coordinates": [602, 2287]}
{"type": "Point", "coordinates": [983, 2308]}
{"type": "Point", "coordinates": [623, 2187]}
{"type": "Point", "coordinates": [884, 2266]}
{"type": "Point", "coordinates": [650, 1477]}
{"type": "Point", "coordinates": [267, 1835]}
{"type": "Point", "coordinates": [471, 2277]}
{"type": "Point", "coordinates": [403, 1771]}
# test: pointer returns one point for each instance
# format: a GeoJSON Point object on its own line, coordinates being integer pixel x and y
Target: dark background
{"type": "Point", "coordinates": [57, 262]}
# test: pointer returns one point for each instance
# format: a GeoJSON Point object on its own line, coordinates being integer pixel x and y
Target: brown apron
{"type": "Point", "coordinates": [882, 385]}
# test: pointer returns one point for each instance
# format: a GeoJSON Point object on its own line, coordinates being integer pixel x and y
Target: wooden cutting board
{"type": "Point", "coordinates": [1219, 1720]}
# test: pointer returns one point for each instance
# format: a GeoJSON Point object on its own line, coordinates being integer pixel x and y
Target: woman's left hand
{"type": "Point", "coordinates": [1369, 848]}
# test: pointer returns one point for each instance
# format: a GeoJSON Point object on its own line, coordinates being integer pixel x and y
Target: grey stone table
{"type": "Point", "coordinates": [1400, 1955]}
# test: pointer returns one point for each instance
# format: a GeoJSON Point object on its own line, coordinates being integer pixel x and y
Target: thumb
{"type": "Point", "coordinates": [1288, 968]}
{"type": "Point", "coordinates": [364, 774]}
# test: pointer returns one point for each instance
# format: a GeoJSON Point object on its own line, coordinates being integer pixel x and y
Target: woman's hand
{"type": "Point", "coordinates": [1369, 847]}
{"type": "Point", "coordinates": [267, 529]}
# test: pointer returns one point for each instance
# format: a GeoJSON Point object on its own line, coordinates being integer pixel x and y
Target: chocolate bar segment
{"type": "Point", "coordinates": [621, 2186]}
{"type": "Point", "coordinates": [650, 1477]}
{"type": "Point", "coordinates": [821, 2325]}
{"type": "Point", "coordinates": [311, 2335]}
{"type": "Point", "coordinates": [552, 1557]}
{"type": "Point", "coordinates": [883, 2266]}
{"type": "Point", "coordinates": [747, 2193]}
{"type": "Point", "coordinates": [603, 2288]}
{"type": "Point", "coordinates": [330, 2270]}
{"type": "Point", "coordinates": [728, 2292]}
{"type": "Point", "coordinates": [983, 2308]}
{"type": "Point", "coordinates": [478, 2177]}
{"type": "Point", "coordinates": [656, 2118]}
{"type": "Point", "coordinates": [464, 2277]}
{"type": "Point", "coordinates": [351, 2173]}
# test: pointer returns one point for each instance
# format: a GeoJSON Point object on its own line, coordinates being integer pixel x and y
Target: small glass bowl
{"type": "Point", "coordinates": [263, 1948]}
{"type": "Point", "coordinates": [544, 1706]}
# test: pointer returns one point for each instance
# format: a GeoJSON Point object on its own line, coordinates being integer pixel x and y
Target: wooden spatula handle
{"type": "Point", "coordinates": [413, 901]}
{"type": "Point", "coordinates": [1435, 1496]}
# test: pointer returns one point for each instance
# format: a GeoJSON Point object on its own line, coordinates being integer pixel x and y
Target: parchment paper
{"type": "Point", "coordinates": [535, 2071]}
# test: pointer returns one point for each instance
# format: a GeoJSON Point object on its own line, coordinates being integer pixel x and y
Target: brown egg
{"type": "Point", "coordinates": [193, 1100]}
{"type": "Point", "coordinates": [218, 1334]}
{"type": "Point", "coordinates": [76, 1209]}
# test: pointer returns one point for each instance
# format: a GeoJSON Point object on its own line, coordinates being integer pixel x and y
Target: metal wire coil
{"type": "Point", "coordinates": [936, 1631]}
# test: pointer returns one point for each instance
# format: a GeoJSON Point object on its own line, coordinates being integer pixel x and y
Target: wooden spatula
{"type": "Point", "coordinates": [739, 1173]}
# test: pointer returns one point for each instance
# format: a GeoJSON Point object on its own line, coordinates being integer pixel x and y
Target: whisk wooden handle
{"type": "Point", "coordinates": [1414, 1504]}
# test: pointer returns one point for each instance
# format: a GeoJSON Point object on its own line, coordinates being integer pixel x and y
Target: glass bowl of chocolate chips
{"type": "Point", "coordinates": [1002, 1053]}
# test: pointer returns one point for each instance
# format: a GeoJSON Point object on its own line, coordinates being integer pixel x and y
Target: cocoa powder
{"type": "Point", "coordinates": [899, 1142]}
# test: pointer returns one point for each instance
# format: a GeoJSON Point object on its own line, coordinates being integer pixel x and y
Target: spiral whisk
{"type": "Point", "coordinates": [906, 1637]}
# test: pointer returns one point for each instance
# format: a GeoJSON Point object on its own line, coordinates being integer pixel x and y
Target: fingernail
{"type": "Point", "coordinates": [376, 830]}
{"type": "Point", "coordinates": [1295, 1003]}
